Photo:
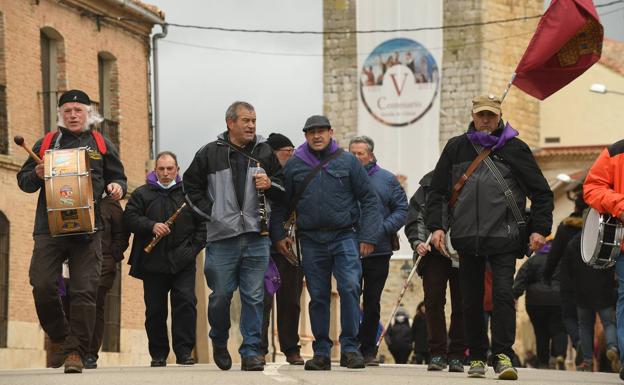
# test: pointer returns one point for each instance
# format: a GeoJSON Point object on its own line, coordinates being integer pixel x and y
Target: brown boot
{"type": "Point", "coordinates": [55, 357]}
{"type": "Point", "coordinates": [73, 363]}
{"type": "Point", "coordinates": [294, 359]}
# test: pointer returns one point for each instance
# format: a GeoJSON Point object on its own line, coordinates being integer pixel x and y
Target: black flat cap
{"type": "Point", "coordinates": [277, 141]}
{"type": "Point", "coordinates": [316, 121]}
{"type": "Point", "coordinates": [74, 96]}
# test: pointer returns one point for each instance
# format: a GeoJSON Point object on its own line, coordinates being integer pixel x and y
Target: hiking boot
{"type": "Point", "coordinates": [456, 366]}
{"type": "Point", "coordinates": [221, 357]}
{"type": "Point", "coordinates": [437, 363]}
{"type": "Point", "coordinates": [252, 364]}
{"type": "Point", "coordinates": [73, 363]}
{"type": "Point", "coordinates": [158, 362]}
{"type": "Point", "coordinates": [585, 366]}
{"type": "Point", "coordinates": [371, 360]}
{"type": "Point", "coordinates": [318, 363]}
{"type": "Point", "coordinates": [352, 360]}
{"type": "Point", "coordinates": [90, 362]}
{"type": "Point", "coordinates": [477, 369]}
{"type": "Point", "coordinates": [613, 355]}
{"type": "Point", "coordinates": [294, 359]}
{"type": "Point", "coordinates": [505, 368]}
{"type": "Point", "coordinates": [56, 357]}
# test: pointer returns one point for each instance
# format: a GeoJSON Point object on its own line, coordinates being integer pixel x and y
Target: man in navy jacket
{"type": "Point", "coordinates": [327, 217]}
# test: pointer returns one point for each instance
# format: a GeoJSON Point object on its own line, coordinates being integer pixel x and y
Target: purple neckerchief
{"type": "Point", "coordinates": [372, 168]}
{"type": "Point", "coordinates": [152, 179]}
{"type": "Point", "coordinates": [546, 248]}
{"type": "Point", "coordinates": [491, 141]}
{"type": "Point", "coordinates": [304, 153]}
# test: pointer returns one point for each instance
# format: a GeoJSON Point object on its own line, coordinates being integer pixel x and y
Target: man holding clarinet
{"type": "Point", "coordinates": [167, 239]}
{"type": "Point", "coordinates": [225, 186]}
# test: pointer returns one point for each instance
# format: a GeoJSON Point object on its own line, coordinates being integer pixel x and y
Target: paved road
{"type": "Point", "coordinates": [280, 374]}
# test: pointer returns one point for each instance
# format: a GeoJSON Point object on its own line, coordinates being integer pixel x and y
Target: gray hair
{"type": "Point", "coordinates": [370, 145]}
{"type": "Point", "coordinates": [231, 112]}
{"type": "Point", "coordinates": [93, 117]}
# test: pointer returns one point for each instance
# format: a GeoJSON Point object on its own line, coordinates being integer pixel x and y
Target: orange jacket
{"type": "Point", "coordinates": [604, 186]}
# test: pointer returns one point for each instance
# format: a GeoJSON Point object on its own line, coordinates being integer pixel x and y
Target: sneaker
{"type": "Point", "coordinates": [73, 363]}
{"type": "Point", "coordinates": [352, 360]}
{"type": "Point", "coordinates": [477, 369]}
{"type": "Point", "coordinates": [505, 368]}
{"type": "Point", "coordinates": [585, 366]}
{"type": "Point", "coordinates": [613, 355]}
{"type": "Point", "coordinates": [56, 357]}
{"type": "Point", "coordinates": [456, 366]}
{"type": "Point", "coordinates": [90, 362]}
{"type": "Point", "coordinates": [437, 363]}
{"type": "Point", "coordinates": [371, 360]}
{"type": "Point", "coordinates": [560, 363]}
{"type": "Point", "coordinates": [318, 363]}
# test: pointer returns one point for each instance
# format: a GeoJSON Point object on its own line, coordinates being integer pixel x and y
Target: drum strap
{"type": "Point", "coordinates": [47, 141]}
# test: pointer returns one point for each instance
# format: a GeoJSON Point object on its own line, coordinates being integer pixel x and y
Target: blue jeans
{"type": "Point", "coordinates": [586, 319]}
{"type": "Point", "coordinates": [342, 257]}
{"type": "Point", "coordinates": [619, 313]}
{"type": "Point", "coordinates": [230, 263]}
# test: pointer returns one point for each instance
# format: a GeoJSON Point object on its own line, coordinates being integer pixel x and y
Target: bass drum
{"type": "Point", "coordinates": [601, 239]}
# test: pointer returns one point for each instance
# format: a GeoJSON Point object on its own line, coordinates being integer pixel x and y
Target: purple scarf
{"type": "Point", "coordinates": [491, 141]}
{"type": "Point", "coordinates": [152, 179]}
{"type": "Point", "coordinates": [372, 168]}
{"type": "Point", "coordinates": [304, 153]}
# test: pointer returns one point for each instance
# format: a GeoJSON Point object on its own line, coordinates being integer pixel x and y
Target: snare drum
{"type": "Point", "coordinates": [601, 239]}
{"type": "Point", "coordinates": [69, 192]}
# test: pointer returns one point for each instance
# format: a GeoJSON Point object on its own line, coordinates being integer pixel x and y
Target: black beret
{"type": "Point", "coordinates": [277, 141]}
{"type": "Point", "coordinates": [74, 96]}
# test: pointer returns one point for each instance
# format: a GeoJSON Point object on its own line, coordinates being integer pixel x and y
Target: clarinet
{"type": "Point", "coordinates": [169, 223]}
{"type": "Point", "coordinates": [264, 227]}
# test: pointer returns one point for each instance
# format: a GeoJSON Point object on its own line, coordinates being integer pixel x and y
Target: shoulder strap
{"type": "Point", "coordinates": [45, 144]}
{"type": "Point", "coordinates": [239, 150]}
{"type": "Point", "coordinates": [462, 180]}
{"type": "Point", "coordinates": [509, 197]}
{"type": "Point", "coordinates": [304, 184]}
{"type": "Point", "coordinates": [99, 140]}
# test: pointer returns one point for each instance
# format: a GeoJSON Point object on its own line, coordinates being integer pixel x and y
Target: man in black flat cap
{"type": "Point", "coordinates": [70, 340]}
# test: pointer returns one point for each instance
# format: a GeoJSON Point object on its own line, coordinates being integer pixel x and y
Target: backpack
{"type": "Point", "coordinates": [47, 140]}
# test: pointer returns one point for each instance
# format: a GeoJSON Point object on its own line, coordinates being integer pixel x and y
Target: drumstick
{"type": "Point", "coordinates": [19, 140]}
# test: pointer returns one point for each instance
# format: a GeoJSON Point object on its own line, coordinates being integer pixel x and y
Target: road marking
{"type": "Point", "coordinates": [272, 370]}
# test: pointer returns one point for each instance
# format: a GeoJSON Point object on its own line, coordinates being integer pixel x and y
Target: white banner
{"type": "Point", "coordinates": [399, 87]}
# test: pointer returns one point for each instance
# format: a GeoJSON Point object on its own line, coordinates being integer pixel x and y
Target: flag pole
{"type": "Point", "coordinates": [508, 87]}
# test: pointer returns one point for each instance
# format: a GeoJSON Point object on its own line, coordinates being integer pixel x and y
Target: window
{"type": "Point", "coordinates": [4, 279]}
{"type": "Point", "coordinates": [52, 74]}
{"type": "Point", "coordinates": [109, 96]}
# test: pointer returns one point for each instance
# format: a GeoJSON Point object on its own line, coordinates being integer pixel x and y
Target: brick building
{"type": "Point", "coordinates": [47, 47]}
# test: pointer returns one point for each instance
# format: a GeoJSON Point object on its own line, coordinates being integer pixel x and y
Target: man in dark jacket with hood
{"type": "Point", "coordinates": [337, 198]}
{"type": "Point", "coordinates": [484, 224]}
{"type": "Point", "coordinates": [436, 271]}
{"type": "Point", "coordinates": [169, 269]}
{"type": "Point", "coordinates": [225, 186]}
{"type": "Point", "coordinates": [393, 210]}
{"type": "Point", "coordinates": [70, 340]}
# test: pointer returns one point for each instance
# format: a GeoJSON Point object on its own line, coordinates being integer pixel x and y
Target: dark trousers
{"type": "Point", "coordinates": [85, 261]}
{"type": "Point", "coordinates": [570, 317]}
{"type": "Point", "coordinates": [374, 275]}
{"type": "Point", "coordinates": [109, 272]}
{"type": "Point", "coordinates": [436, 274]}
{"type": "Point", "coordinates": [400, 356]}
{"type": "Point", "coordinates": [471, 270]}
{"type": "Point", "coordinates": [550, 336]}
{"type": "Point", "coordinates": [288, 308]}
{"type": "Point", "coordinates": [156, 288]}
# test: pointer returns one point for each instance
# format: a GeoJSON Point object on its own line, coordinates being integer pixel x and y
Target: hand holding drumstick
{"type": "Point", "coordinates": [39, 169]}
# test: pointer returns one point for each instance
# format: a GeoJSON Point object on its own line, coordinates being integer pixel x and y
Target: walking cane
{"type": "Point", "coordinates": [398, 302]}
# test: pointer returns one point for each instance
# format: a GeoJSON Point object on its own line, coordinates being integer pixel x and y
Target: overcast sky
{"type": "Point", "coordinates": [202, 72]}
